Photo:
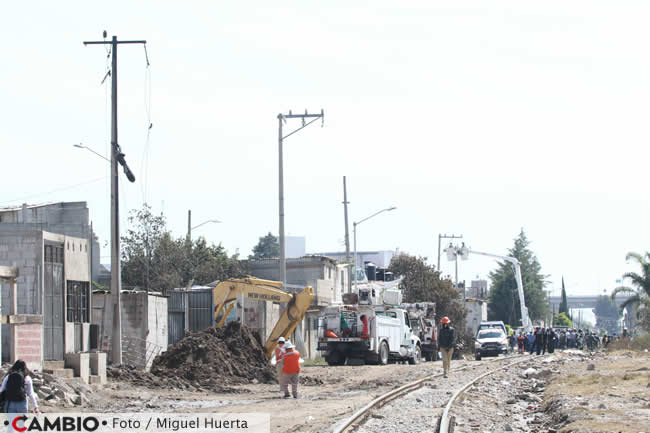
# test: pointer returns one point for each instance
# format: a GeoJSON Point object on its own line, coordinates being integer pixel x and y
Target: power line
{"type": "Point", "coordinates": [55, 190]}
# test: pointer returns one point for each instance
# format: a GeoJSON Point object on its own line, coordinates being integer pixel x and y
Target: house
{"type": "Point", "coordinates": [51, 292]}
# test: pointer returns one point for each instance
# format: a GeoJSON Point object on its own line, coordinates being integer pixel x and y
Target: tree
{"type": "Point", "coordinates": [606, 314]}
{"type": "Point", "coordinates": [640, 292]}
{"type": "Point", "coordinates": [145, 232]}
{"type": "Point", "coordinates": [268, 247]}
{"type": "Point", "coordinates": [503, 301]}
{"type": "Point", "coordinates": [153, 259]}
{"type": "Point", "coordinates": [422, 283]}
{"type": "Point", "coordinates": [564, 305]}
{"type": "Point", "coordinates": [561, 319]}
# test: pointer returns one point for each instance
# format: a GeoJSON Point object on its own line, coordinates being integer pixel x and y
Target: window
{"type": "Point", "coordinates": [77, 302]}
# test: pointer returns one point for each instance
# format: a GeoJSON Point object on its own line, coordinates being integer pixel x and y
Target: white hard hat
{"type": "Point", "coordinates": [288, 345]}
{"type": "Point", "coordinates": [281, 339]}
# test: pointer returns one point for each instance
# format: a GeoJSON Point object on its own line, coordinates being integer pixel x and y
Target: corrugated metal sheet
{"type": "Point", "coordinates": [175, 316]}
{"type": "Point", "coordinates": [201, 309]}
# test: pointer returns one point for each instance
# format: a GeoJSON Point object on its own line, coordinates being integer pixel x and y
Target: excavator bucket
{"type": "Point", "coordinates": [290, 318]}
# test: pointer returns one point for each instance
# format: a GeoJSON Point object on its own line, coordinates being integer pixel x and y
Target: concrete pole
{"type": "Point", "coordinates": [189, 225]}
{"type": "Point", "coordinates": [116, 277]}
{"type": "Point", "coordinates": [354, 264]}
{"type": "Point", "coordinates": [347, 233]}
{"type": "Point", "coordinates": [439, 238]}
{"type": "Point", "coordinates": [283, 263]}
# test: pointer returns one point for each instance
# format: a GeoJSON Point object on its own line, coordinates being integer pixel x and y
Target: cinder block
{"type": "Point", "coordinates": [80, 363]}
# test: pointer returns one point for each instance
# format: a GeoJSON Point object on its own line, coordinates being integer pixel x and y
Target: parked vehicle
{"type": "Point", "coordinates": [364, 332]}
{"type": "Point", "coordinates": [493, 324]}
{"type": "Point", "coordinates": [422, 316]}
{"type": "Point", "coordinates": [490, 342]}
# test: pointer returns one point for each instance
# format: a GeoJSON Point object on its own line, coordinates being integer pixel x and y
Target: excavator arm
{"type": "Point", "coordinates": [291, 316]}
{"type": "Point", "coordinates": [255, 289]}
{"type": "Point", "coordinates": [226, 292]}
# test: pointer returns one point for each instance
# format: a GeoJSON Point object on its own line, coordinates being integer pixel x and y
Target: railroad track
{"type": "Point", "coordinates": [358, 420]}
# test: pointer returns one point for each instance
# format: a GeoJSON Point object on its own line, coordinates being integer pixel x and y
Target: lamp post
{"type": "Point", "coordinates": [190, 228]}
{"type": "Point", "coordinates": [354, 229]}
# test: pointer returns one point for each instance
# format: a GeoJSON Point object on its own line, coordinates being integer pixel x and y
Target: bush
{"type": "Point", "coordinates": [638, 344]}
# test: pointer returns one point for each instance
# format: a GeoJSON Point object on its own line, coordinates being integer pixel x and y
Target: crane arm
{"type": "Point", "coordinates": [516, 265]}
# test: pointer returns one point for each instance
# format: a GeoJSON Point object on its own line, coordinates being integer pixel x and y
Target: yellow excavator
{"type": "Point", "coordinates": [225, 294]}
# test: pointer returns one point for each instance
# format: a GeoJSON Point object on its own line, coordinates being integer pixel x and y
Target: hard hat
{"type": "Point", "coordinates": [288, 345]}
{"type": "Point", "coordinates": [281, 340]}
{"type": "Point", "coordinates": [445, 320]}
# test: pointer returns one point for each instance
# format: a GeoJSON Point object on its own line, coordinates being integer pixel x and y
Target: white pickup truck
{"type": "Point", "coordinates": [368, 334]}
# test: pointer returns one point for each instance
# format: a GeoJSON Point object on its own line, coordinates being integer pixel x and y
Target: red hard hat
{"type": "Point", "coordinates": [445, 320]}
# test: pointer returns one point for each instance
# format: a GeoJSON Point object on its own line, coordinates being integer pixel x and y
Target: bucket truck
{"type": "Point", "coordinates": [525, 319]}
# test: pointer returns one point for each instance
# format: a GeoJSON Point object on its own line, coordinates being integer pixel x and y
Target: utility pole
{"type": "Point", "coordinates": [283, 118]}
{"type": "Point", "coordinates": [347, 235]}
{"type": "Point", "coordinates": [445, 236]}
{"type": "Point", "coordinates": [116, 157]}
{"type": "Point", "coordinates": [189, 225]}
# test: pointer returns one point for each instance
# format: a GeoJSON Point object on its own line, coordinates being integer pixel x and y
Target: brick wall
{"type": "Point", "coordinates": [28, 344]}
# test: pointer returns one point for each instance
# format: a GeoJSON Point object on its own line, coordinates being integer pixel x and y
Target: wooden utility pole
{"type": "Point", "coordinates": [116, 157]}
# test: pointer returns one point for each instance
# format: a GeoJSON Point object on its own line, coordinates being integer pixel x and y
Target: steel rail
{"type": "Point", "coordinates": [384, 398]}
{"type": "Point", "coordinates": [444, 420]}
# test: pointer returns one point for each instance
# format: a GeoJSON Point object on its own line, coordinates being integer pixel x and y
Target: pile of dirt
{"type": "Point", "coordinates": [216, 357]}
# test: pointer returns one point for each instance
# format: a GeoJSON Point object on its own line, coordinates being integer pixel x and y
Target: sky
{"type": "Point", "coordinates": [474, 118]}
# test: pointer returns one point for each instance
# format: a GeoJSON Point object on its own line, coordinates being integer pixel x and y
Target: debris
{"type": "Point", "coordinates": [591, 367]}
{"type": "Point", "coordinates": [507, 427]}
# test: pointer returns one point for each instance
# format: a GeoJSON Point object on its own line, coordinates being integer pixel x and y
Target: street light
{"type": "Point", "coordinates": [81, 146]}
{"type": "Point", "coordinates": [189, 233]}
{"type": "Point", "coordinates": [354, 225]}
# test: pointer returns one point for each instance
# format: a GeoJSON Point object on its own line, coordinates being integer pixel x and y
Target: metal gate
{"type": "Point", "coordinates": [53, 324]}
{"type": "Point", "coordinates": [201, 309]}
{"type": "Point", "coordinates": [197, 304]}
{"type": "Point", "coordinates": [175, 316]}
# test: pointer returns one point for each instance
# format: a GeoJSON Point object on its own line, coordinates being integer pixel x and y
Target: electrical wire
{"type": "Point", "coordinates": [144, 166]}
{"type": "Point", "coordinates": [20, 199]}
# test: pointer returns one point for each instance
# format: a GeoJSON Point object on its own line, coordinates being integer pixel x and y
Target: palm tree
{"type": "Point", "coordinates": [640, 294]}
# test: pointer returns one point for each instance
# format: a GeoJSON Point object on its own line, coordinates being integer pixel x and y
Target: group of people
{"type": "Point", "coordinates": [287, 366]}
{"type": "Point", "coordinates": [540, 341]}
{"type": "Point", "coordinates": [543, 340]}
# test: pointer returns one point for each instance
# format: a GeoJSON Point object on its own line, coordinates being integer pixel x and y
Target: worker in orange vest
{"type": "Point", "coordinates": [279, 355]}
{"type": "Point", "coordinates": [290, 370]}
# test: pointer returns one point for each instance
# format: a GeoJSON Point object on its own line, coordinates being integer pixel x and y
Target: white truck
{"type": "Point", "coordinates": [362, 331]}
{"type": "Point", "coordinates": [423, 323]}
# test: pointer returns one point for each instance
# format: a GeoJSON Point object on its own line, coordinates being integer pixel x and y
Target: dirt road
{"type": "Point", "coordinates": [332, 393]}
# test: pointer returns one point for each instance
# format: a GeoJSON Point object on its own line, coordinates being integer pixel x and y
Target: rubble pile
{"type": "Point", "coordinates": [232, 355]}
{"type": "Point", "coordinates": [212, 359]}
{"type": "Point", "coordinates": [55, 391]}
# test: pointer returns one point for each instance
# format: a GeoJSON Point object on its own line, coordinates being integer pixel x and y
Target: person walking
{"type": "Point", "coordinates": [539, 339]}
{"type": "Point", "coordinates": [446, 342]}
{"type": "Point", "coordinates": [521, 342]}
{"type": "Point", "coordinates": [290, 370]}
{"type": "Point", "coordinates": [279, 355]}
{"type": "Point", "coordinates": [531, 342]}
{"type": "Point", "coordinates": [17, 388]}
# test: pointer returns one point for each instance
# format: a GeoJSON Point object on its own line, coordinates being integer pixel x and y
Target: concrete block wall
{"type": "Point", "coordinates": [144, 325]}
{"type": "Point", "coordinates": [22, 248]}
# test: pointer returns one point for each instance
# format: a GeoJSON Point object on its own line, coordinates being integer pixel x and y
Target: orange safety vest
{"type": "Point", "coordinates": [279, 354]}
{"type": "Point", "coordinates": [291, 362]}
